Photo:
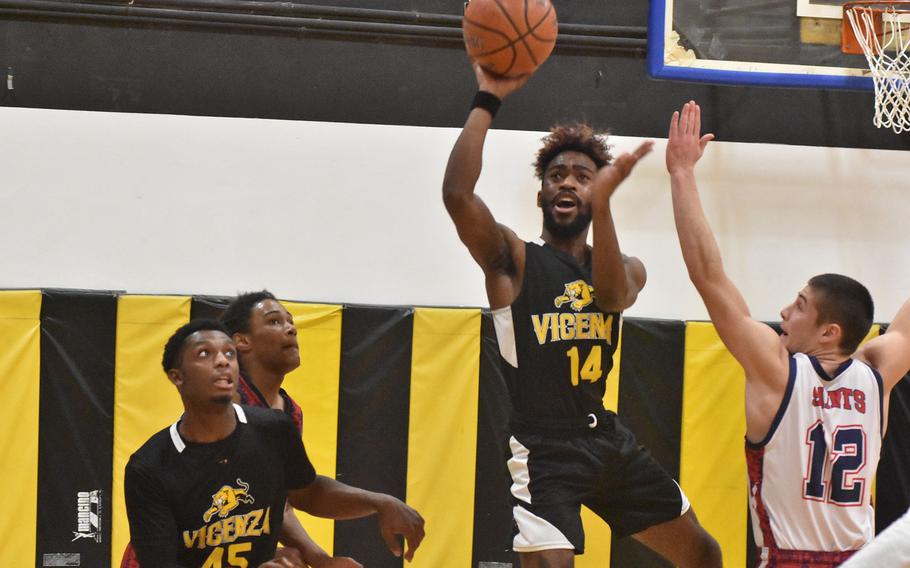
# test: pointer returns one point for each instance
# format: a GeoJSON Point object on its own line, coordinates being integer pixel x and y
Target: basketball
{"type": "Point", "coordinates": [509, 37]}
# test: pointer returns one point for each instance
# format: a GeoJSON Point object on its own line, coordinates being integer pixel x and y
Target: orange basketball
{"type": "Point", "coordinates": [509, 37]}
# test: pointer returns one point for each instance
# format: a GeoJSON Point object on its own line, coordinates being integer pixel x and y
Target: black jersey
{"type": "Point", "coordinates": [217, 504]}
{"type": "Point", "coordinates": [557, 345]}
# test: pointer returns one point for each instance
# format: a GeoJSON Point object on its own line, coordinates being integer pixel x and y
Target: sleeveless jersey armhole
{"type": "Point", "coordinates": [784, 403]}
{"type": "Point", "coordinates": [881, 397]}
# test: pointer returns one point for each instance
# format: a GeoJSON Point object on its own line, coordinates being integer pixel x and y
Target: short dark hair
{"type": "Point", "coordinates": [578, 137]}
{"type": "Point", "coordinates": [236, 318]}
{"type": "Point", "coordinates": [174, 346]}
{"type": "Point", "coordinates": [844, 301]}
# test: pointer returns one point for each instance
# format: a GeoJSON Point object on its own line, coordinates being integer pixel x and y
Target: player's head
{"type": "Point", "coordinates": [566, 166]}
{"type": "Point", "coordinates": [201, 360]}
{"type": "Point", "coordinates": [832, 310]}
{"type": "Point", "coordinates": [264, 332]}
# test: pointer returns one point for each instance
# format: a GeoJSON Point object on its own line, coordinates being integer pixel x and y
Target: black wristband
{"type": "Point", "coordinates": [487, 101]}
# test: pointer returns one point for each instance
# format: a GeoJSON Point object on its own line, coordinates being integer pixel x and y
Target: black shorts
{"type": "Point", "coordinates": [603, 468]}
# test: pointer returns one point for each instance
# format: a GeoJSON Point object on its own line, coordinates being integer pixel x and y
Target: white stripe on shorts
{"type": "Point", "coordinates": [536, 534]}
{"type": "Point", "coordinates": [518, 467]}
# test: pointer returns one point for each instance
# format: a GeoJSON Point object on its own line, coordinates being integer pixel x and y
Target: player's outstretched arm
{"type": "Point", "coordinates": [328, 498]}
{"type": "Point", "coordinates": [752, 343]}
{"type": "Point", "coordinates": [617, 278]}
{"type": "Point", "coordinates": [889, 353]}
{"type": "Point", "coordinates": [488, 242]}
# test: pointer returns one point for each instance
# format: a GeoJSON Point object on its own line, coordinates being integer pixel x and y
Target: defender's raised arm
{"type": "Point", "coordinates": [755, 345]}
{"type": "Point", "coordinates": [889, 353]}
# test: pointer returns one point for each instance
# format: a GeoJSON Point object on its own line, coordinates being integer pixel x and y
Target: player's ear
{"type": "Point", "coordinates": [241, 341]}
{"type": "Point", "coordinates": [175, 377]}
{"type": "Point", "coordinates": [833, 333]}
{"type": "Point", "coordinates": [539, 199]}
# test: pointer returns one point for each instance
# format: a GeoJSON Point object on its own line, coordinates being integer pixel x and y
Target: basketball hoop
{"type": "Point", "coordinates": [881, 31]}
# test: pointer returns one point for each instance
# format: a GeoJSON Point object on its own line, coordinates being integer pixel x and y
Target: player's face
{"type": "Point", "coordinates": [799, 324]}
{"type": "Point", "coordinates": [273, 337]}
{"type": "Point", "coordinates": [565, 194]}
{"type": "Point", "coordinates": [208, 369]}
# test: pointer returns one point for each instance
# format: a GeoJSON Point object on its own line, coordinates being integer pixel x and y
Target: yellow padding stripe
{"type": "Point", "coordinates": [314, 385]}
{"type": "Point", "coordinates": [713, 430]}
{"type": "Point", "coordinates": [20, 332]}
{"type": "Point", "coordinates": [442, 432]}
{"type": "Point", "coordinates": [598, 536]}
{"type": "Point", "coordinates": [145, 401]}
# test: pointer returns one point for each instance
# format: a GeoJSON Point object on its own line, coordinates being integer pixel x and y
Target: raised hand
{"type": "Point", "coordinates": [686, 145]}
{"type": "Point", "coordinates": [496, 84]}
{"type": "Point", "coordinates": [396, 519]}
{"type": "Point", "coordinates": [609, 177]}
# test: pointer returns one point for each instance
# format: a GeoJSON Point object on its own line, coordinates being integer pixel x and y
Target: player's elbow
{"type": "Point", "coordinates": [617, 302]}
{"type": "Point", "coordinates": [454, 198]}
{"type": "Point", "coordinates": [704, 276]}
{"type": "Point", "coordinates": [303, 499]}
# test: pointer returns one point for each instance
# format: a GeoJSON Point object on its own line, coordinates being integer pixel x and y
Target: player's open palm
{"type": "Point", "coordinates": [685, 144]}
{"type": "Point", "coordinates": [396, 519]}
{"type": "Point", "coordinates": [496, 84]}
{"type": "Point", "coordinates": [609, 177]}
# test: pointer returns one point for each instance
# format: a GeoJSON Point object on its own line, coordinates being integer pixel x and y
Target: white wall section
{"type": "Point", "coordinates": [353, 213]}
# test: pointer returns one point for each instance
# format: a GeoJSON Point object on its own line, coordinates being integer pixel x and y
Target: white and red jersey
{"type": "Point", "coordinates": [810, 479]}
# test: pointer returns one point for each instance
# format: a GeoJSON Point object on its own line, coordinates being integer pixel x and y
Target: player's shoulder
{"type": "Point", "coordinates": [264, 419]}
{"type": "Point", "coordinates": [153, 452]}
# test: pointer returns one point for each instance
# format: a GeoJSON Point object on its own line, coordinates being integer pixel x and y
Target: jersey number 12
{"type": "Point", "coordinates": [847, 457]}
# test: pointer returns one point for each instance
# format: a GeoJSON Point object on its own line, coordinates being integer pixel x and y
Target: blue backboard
{"type": "Point", "coordinates": [791, 43]}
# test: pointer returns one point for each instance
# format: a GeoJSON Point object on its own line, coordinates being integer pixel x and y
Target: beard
{"type": "Point", "coordinates": [577, 226]}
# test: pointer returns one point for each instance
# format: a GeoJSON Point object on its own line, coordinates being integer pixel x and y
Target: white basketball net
{"type": "Point", "coordinates": [888, 55]}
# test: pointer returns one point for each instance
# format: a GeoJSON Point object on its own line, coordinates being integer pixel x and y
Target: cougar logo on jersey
{"type": "Point", "coordinates": [578, 294]}
{"type": "Point", "coordinates": [227, 499]}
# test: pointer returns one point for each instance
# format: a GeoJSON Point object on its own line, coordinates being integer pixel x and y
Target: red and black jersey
{"type": "Point", "coordinates": [251, 396]}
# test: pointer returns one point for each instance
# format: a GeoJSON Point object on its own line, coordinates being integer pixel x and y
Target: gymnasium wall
{"type": "Point", "coordinates": [323, 184]}
{"type": "Point", "coordinates": [408, 401]}
{"type": "Point", "coordinates": [353, 213]}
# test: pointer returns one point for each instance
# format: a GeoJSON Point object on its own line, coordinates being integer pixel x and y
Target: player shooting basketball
{"type": "Point", "coordinates": [816, 405]}
{"type": "Point", "coordinates": [567, 450]}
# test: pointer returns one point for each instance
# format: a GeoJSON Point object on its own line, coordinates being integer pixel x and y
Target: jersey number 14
{"type": "Point", "coordinates": [591, 370]}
